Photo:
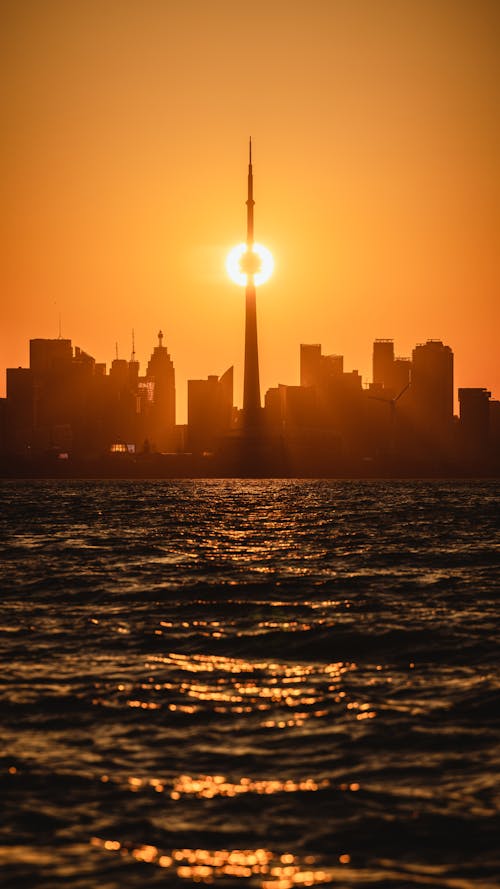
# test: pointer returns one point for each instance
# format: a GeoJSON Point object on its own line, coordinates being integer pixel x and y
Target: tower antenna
{"type": "Point", "coordinates": [116, 350]}
{"type": "Point", "coordinates": [250, 200]}
{"type": "Point", "coordinates": [132, 357]}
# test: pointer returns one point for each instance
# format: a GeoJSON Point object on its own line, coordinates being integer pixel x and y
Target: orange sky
{"type": "Point", "coordinates": [376, 130]}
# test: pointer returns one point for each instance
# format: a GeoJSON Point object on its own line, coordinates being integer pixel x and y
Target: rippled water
{"type": "Point", "coordinates": [249, 683]}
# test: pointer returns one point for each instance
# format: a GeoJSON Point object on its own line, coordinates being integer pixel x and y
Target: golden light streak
{"type": "Point", "coordinates": [268, 870]}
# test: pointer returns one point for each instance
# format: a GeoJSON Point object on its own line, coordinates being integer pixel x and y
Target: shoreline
{"type": "Point", "coordinates": [188, 467]}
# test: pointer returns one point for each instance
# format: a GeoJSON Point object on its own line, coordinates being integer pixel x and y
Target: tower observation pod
{"type": "Point", "coordinates": [249, 265]}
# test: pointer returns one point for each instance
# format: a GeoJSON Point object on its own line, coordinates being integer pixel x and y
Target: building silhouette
{"type": "Point", "coordinates": [383, 363]}
{"type": "Point", "coordinates": [389, 372]}
{"type": "Point", "coordinates": [210, 412]}
{"type": "Point", "coordinates": [474, 422]}
{"type": "Point", "coordinates": [67, 409]}
{"type": "Point", "coordinates": [430, 403]}
{"type": "Point", "coordinates": [159, 427]}
{"type": "Point", "coordinates": [66, 403]}
{"type": "Point", "coordinates": [336, 395]}
{"type": "Point", "coordinates": [494, 427]}
{"type": "Point", "coordinates": [19, 412]}
{"type": "Point", "coordinates": [315, 368]}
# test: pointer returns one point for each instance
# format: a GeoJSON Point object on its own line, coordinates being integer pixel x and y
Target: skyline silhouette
{"type": "Point", "coordinates": [66, 410]}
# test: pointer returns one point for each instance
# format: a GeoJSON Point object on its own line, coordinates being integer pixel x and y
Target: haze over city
{"type": "Point", "coordinates": [375, 131]}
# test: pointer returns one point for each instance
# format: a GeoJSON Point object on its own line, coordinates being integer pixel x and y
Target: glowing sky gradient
{"type": "Point", "coordinates": [375, 128]}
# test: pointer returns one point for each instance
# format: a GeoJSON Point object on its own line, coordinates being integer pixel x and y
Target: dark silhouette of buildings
{"type": "Point", "coordinates": [67, 408]}
{"type": "Point", "coordinates": [335, 397]}
{"type": "Point", "coordinates": [65, 403]}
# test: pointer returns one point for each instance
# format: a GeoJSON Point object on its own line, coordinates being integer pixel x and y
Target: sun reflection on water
{"type": "Point", "coordinates": [281, 694]}
{"type": "Point", "coordinates": [210, 786]}
{"type": "Point", "coordinates": [263, 867]}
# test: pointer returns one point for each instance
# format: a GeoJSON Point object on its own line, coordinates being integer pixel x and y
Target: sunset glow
{"type": "Point", "coordinates": [239, 256]}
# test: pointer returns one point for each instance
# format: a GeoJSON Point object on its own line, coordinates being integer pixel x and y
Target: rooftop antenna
{"type": "Point", "coordinates": [132, 357]}
{"type": "Point", "coordinates": [116, 351]}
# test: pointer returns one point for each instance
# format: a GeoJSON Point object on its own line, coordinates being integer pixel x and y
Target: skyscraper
{"type": "Point", "coordinates": [474, 421]}
{"type": "Point", "coordinates": [210, 410]}
{"type": "Point", "coordinates": [160, 428]}
{"type": "Point", "coordinates": [383, 362]}
{"type": "Point", "coordinates": [432, 392]}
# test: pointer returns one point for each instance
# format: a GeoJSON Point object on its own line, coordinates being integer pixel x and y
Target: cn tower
{"type": "Point", "coordinates": [251, 265]}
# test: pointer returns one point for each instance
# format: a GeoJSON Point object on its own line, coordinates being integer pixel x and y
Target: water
{"type": "Point", "coordinates": [249, 683]}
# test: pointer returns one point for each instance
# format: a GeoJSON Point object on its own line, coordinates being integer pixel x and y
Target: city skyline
{"type": "Point", "coordinates": [182, 384]}
{"type": "Point", "coordinates": [377, 185]}
{"type": "Point", "coordinates": [67, 412]}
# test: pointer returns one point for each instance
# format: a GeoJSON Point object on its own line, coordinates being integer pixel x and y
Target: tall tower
{"type": "Point", "coordinates": [251, 264]}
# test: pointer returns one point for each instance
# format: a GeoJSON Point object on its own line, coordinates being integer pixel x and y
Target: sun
{"type": "Point", "coordinates": [242, 262]}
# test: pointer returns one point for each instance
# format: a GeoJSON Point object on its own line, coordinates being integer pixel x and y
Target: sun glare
{"type": "Point", "coordinates": [241, 262]}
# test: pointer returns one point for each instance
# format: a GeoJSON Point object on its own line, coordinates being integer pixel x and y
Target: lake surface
{"type": "Point", "coordinates": [249, 683]}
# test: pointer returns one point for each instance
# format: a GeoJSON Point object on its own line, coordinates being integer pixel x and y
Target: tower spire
{"type": "Point", "coordinates": [250, 200]}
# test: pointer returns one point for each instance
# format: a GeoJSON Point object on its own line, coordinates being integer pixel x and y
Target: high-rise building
{"type": "Point", "coordinates": [431, 392]}
{"type": "Point", "coordinates": [474, 421]}
{"type": "Point", "coordinates": [210, 409]}
{"type": "Point", "coordinates": [291, 410]}
{"type": "Point", "coordinates": [49, 356]}
{"type": "Point", "coordinates": [51, 365]}
{"type": "Point", "coordinates": [401, 374]}
{"type": "Point", "coordinates": [310, 364]}
{"type": "Point", "coordinates": [389, 372]}
{"type": "Point", "coordinates": [19, 411]}
{"type": "Point", "coordinates": [160, 375]}
{"type": "Point", "coordinates": [317, 369]}
{"type": "Point", "coordinates": [494, 426]}
{"type": "Point", "coordinates": [337, 402]}
{"type": "Point", "coordinates": [383, 363]}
